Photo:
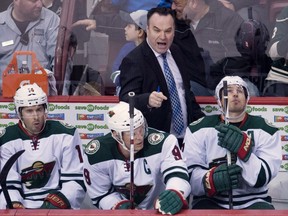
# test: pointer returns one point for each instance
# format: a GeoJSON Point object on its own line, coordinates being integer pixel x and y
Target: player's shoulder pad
{"type": "Point", "coordinates": [66, 125]}
{"type": "Point", "coordinates": [57, 127]}
{"type": "Point", "coordinates": [153, 142]}
{"type": "Point", "coordinates": [258, 122]}
{"type": "Point", "coordinates": [102, 148]}
{"type": "Point", "coordinates": [156, 137]}
{"type": "Point", "coordinates": [204, 122]}
{"type": "Point", "coordinates": [9, 133]}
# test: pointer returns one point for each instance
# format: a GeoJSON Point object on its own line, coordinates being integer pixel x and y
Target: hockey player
{"type": "Point", "coordinates": [49, 173]}
{"type": "Point", "coordinates": [255, 147]}
{"type": "Point", "coordinates": [160, 173]}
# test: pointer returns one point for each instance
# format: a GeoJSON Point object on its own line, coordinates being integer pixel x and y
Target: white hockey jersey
{"type": "Point", "coordinates": [158, 166]}
{"type": "Point", "coordinates": [201, 150]}
{"type": "Point", "coordinates": [51, 161]}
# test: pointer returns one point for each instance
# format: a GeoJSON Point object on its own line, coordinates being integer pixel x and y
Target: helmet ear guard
{"type": "Point", "coordinates": [29, 95]}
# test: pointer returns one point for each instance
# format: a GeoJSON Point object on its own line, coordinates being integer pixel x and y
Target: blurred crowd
{"type": "Point", "coordinates": [246, 38]}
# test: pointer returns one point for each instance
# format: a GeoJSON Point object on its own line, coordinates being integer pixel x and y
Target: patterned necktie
{"type": "Point", "coordinates": [177, 116]}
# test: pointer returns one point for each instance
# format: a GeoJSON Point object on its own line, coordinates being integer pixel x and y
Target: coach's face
{"type": "Point", "coordinates": [27, 10]}
{"type": "Point", "coordinates": [160, 32]}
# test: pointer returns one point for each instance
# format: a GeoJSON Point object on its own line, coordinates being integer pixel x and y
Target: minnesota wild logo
{"type": "Point", "coordinates": [92, 147]}
{"type": "Point", "coordinates": [155, 138]}
{"type": "Point", "coordinates": [37, 175]}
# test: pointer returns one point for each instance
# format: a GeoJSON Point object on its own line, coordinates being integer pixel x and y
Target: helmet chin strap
{"type": "Point", "coordinates": [126, 149]}
{"type": "Point", "coordinates": [119, 139]}
{"type": "Point", "coordinates": [235, 117]}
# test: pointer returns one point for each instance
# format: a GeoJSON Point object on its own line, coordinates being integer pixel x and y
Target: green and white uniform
{"type": "Point", "coordinates": [201, 148]}
{"type": "Point", "coordinates": [158, 166]}
{"type": "Point", "coordinates": [51, 161]}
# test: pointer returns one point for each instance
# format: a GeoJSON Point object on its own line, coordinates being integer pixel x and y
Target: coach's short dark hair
{"type": "Point", "coordinates": [161, 11]}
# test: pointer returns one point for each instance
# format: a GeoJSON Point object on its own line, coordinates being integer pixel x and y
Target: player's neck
{"type": "Point", "coordinates": [124, 152]}
{"type": "Point", "coordinates": [235, 117]}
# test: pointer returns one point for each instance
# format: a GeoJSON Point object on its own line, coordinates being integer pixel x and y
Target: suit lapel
{"type": "Point", "coordinates": [152, 61]}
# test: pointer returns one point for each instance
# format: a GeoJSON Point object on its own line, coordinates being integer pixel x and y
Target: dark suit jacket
{"type": "Point", "coordinates": [142, 74]}
{"type": "Point", "coordinates": [186, 41]}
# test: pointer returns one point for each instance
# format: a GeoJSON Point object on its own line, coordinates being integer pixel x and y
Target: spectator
{"type": "Point", "coordinates": [145, 72]}
{"type": "Point", "coordinates": [161, 175]}
{"type": "Point", "coordinates": [253, 37]}
{"type": "Point", "coordinates": [185, 39]}
{"type": "Point", "coordinates": [132, 5]}
{"type": "Point", "coordinates": [277, 79]}
{"type": "Point", "coordinates": [255, 147]}
{"type": "Point", "coordinates": [81, 23]}
{"type": "Point", "coordinates": [165, 3]}
{"type": "Point", "coordinates": [215, 27]}
{"type": "Point", "coordinates": [108, 21]}
{"type": "Point", "coordinates": [135, 33]}
{"type": "Point", "coordinates": [208, 18]}
{"type": "Point", "coordinates": [236, 5]}
{"type": "Point", "coordinates": [51, 164]}
{"type": "Point", "coordinates": [259, 9]}
{"type": "Point", "coordinates": [80, 33]}
{"type": "Point", "coordinates": [27, 26]}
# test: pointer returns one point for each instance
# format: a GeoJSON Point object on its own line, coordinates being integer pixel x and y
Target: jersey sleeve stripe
{"type": "Point", "coordinates": [267, 169]}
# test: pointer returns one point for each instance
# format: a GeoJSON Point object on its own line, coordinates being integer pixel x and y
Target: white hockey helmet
{"type": "Point", "coordinates": [231, 80]}
{"type": "Point", "coordinates": [119, 121]}
{"type": "Point", "coordinates": [29, 95]}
